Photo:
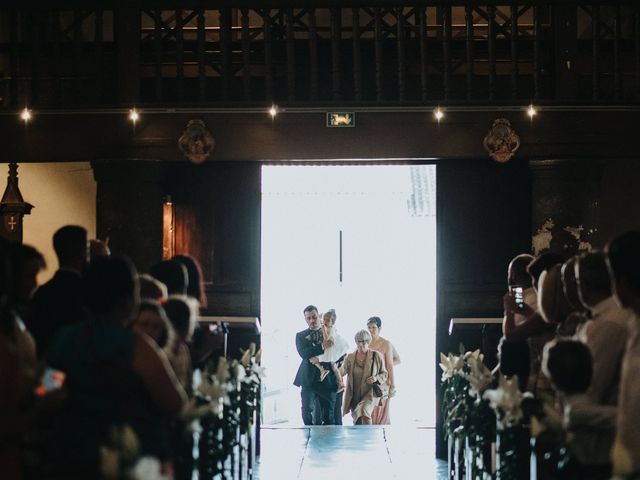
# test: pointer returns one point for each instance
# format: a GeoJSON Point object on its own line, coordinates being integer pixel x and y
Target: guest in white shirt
{"type": "Point", "coordinates": [623, 261]}
{"type": "Point", "coordinates": [590, 428]}
{"type": "Point", "coordinates": [606, 333]}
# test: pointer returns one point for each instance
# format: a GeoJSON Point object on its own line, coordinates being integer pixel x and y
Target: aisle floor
{"type": "Point", "coordinates": [349, 453]}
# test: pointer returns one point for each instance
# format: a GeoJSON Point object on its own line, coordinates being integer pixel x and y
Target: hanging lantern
{"type": "Point", "coordinates": [13, 207]}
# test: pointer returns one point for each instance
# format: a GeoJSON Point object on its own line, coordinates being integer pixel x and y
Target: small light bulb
{"type": "Point", "coordinates": [531, 111]}
{"type": "Point", "coordinates": [25, 115]}
{"type": "Point", "coordinates": [134, 116]}
{"type": "Point", "coordinates": [438, 113]}
{"type": "Point", "coordinates": [273, 111]}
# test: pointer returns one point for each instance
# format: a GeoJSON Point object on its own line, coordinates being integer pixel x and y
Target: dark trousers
{"type": "Point", "coordinates": [326, 404]}
{"type": "Point", "coordinates": [337, 410]}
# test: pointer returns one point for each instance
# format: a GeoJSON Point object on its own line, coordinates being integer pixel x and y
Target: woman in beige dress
{"type": "Point", "coordinates": [363, 368]}
{"type": "Point", "coordinates": [391, 358]}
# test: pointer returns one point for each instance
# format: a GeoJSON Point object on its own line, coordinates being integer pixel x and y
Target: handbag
{"type": "Point", "coordinates": [379, 390]}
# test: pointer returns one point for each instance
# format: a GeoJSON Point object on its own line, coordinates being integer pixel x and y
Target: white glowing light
{"type": "Point", "coordinates": [531, 111]}
{"type": "Point", "coordinates": [273, 111]}
{"type": "Point", "coordinates": [25, 115]}
{"type": "Point", "coordinates": [438, 113]}
{"type": "Point", "coordinates": [134, 116]}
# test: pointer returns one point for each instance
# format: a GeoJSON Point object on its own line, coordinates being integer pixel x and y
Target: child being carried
{"type": "Point", "coordinates": [332, 354]}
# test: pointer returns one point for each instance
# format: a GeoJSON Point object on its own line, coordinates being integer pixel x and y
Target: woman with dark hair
{"type": "Point", "coordinates": [173, 274]}
{"type": "Point", "coordinates": [195, 287]}
{"type": "Point", "coordinates": [381, 413]}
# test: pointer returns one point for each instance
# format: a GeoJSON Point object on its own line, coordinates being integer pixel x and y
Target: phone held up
{"type": "Point", "coordinates": [518, 295]}
{"type": "Point", "coordinates": [51, 381]}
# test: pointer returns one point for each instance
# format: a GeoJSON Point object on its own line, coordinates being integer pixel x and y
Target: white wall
{"type": "Point", "coordinates": [62, 194]}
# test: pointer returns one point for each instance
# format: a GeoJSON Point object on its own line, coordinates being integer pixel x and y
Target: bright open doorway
{"type": "Point", "coordinates": [361, 240]}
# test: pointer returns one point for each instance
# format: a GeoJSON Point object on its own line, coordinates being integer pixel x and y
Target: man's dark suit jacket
{"type": "Point", "coordinates": [57, 303]}
{"type": "Point", "coordinates": [308, 344]}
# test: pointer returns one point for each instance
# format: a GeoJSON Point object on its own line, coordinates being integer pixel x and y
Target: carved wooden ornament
{"type": "Point", "coordinates": [196, 141]}
{"type": "Point", "coordinates": [502, 142]}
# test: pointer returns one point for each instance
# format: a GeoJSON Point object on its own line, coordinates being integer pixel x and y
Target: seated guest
{"type": "Point", "coordinates": [513, 360]}
{"type": "Point", "coordinates": [606, 333]}
{"type": "Point", "coordinates": [182, 312]}
{"type": "Point", "coordinates": [195, 287]}
{"type": "Point", "coordinates": [590, 427]}
{"type": "Point", "coordinates": [152, 320]}
{"type": "Point", "coordinates": [152, 289]}
{"type": "Point", "coordinates": [203, 343]}
{"type": "Point", "coordinates": [115, 378]}
{"type": "Point", "coordinates": [623, 261]}
{"type": "Point", "coordinates": [363, 368]}
{"type": "Point", "coordinates": [173, 274]}
{"type": "Point", "coordinates": [59, 302]}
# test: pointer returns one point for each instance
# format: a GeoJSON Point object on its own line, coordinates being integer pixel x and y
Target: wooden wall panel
{"type": "Point", "coordinates": [217, 219]}
{"type": "Point", "coordinates": [484, 220]}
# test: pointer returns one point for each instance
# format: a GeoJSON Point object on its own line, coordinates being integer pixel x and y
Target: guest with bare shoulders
{"type": "Point", "coordinates": [115, 378]}
{"type": "Point", "coordinates": [381, 413]}
{"type": "Point", "coordinates": [204, 344]}
{"type": "Point", "coordinates": [182, 312]}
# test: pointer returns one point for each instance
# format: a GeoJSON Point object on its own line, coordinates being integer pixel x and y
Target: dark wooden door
{"type": "Point", "coordinates": [484, 220]}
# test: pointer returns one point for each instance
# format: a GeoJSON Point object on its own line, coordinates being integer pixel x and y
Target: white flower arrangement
{"type": "Point", "coordinates": [451, 365]}
{"type": "Point", "coordinates": [479, 376]}
{"type": "Point", "coordinates": [506, 399]}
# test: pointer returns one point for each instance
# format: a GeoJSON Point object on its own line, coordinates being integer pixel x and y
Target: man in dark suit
{"type": "Point", "coordinates": [311, 343]}
{"type": "Point", "coordinates": [59, 302]}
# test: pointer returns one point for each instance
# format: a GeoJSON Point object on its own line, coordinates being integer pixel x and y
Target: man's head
{"type": "Point", "coordinates": [111, 288]}
{"type": "Point", "coordinates": [311, 317]}
{"type": "Point", "coordinates": [72, 247]}
{"type": "Point", "coordinates": [592, 278]}
{"type": "Point", "coordinates": [173, 274]}
{"type": "Point", "coordinates": [517, 272]}
{"type": "Point", "coordinates": [623, 264]}
{"type": "Point", "coordinates": [542, 263]}
{"type": "Point", "coordinates": [568, 365]}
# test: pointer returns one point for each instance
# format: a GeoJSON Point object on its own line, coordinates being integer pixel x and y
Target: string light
{"type": "Point", "coordinates": [531, 111]}
{"type": "Point", "coordinates": [25, 115]}
{"type": "Point", "coordinates": [438, 114]}
{"type": "Point", "coordinates": [273, 111]}
{"type": "Point", "coordinates": [134, 116]}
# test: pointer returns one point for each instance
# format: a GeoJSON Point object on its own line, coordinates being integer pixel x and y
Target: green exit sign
{"type": "Point", "coordinates": [341, 119]}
